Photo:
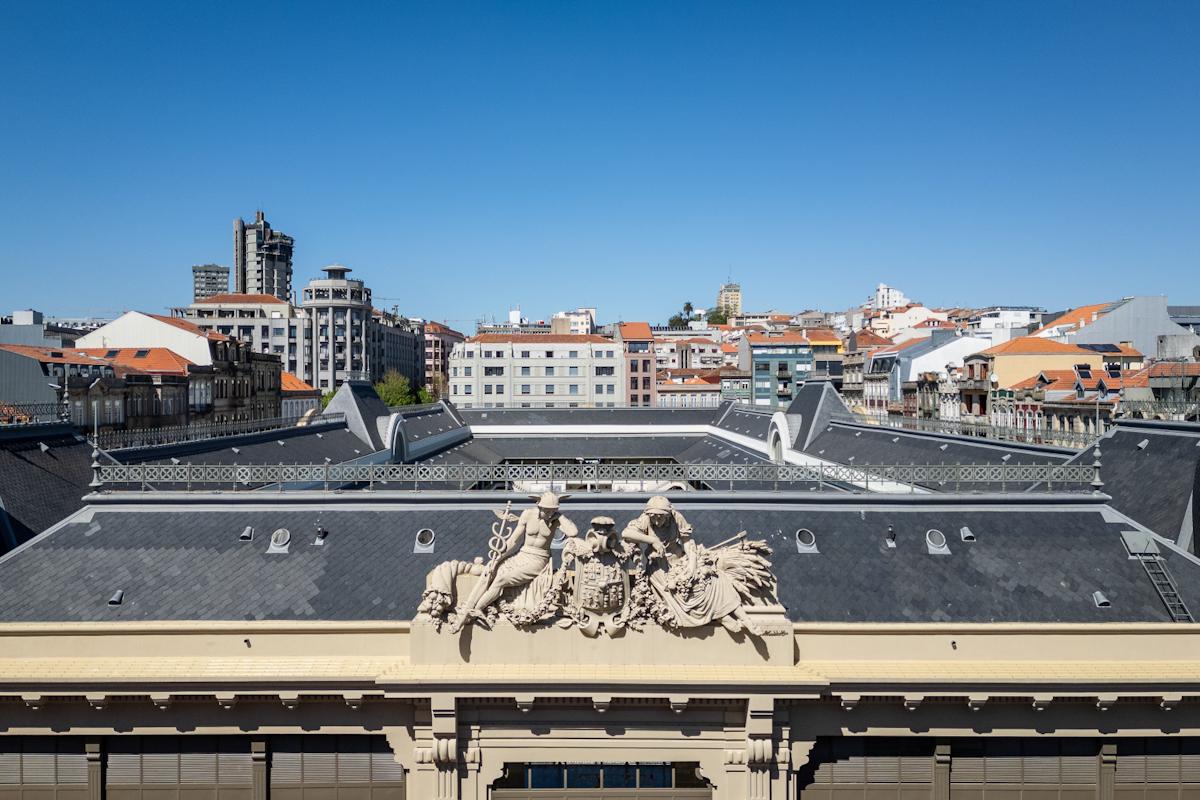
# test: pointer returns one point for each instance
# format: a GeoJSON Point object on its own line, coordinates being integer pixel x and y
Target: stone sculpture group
{"type": "Point", "coordinates": [652, 572]}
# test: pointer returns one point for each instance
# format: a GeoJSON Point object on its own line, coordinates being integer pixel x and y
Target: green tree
{"type": "Point", "coordinates": [688, 310]}
{"type": "Point", "coordinates": [717, 317]}
{"type": "Point", "coordinates": [423, 396]}
{"type": "Point", "coordinates": [394, 389]}
{"type": "Point", "coordinates": [325, 398]}
{"type": "Point", "coordinates": [676, 321]}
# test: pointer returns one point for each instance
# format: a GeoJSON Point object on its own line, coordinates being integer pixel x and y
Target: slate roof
{"type": "Point", "coordinates": [1029, 563]}
{"type": "Point", "coordinates": [37, 489]}
{"type": "Point", "coordinates": [1151, 485]}
{"type": "Point", "coordinates": [427, 422]}
{"type": "Point", "coordinates": [301, 445]}
{"type": "Point", "coordinates": [748, 423]}
{"type": "Point", "coordinates": [588, 416]}
{"type": "Point", "coordinates": [852, 443]}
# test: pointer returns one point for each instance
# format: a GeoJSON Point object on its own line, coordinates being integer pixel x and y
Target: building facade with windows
{"type": "Point", "coordinates": [537, 371]}
{"type": "Point", "coordinates": [333, 334]}
{"type": "Point", "coordinates": [209, 280]}
{"type": "Point", "coordinates": [729, 299]}
{"type": "Point", "coordinates": [637, 345]}
{"type": "Point", "coordinates": [776, 361]}
{"type": "Point", "coordinates": [262, 258]}
{"type": "Point", "coordinates": [439, 341]}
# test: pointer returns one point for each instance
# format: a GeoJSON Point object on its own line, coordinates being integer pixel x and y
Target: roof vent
{"type": "Point", "coordinates": [895, 439]}
{"type": "Point", "coordinates": [45, 448]}
{"type": "Point", "coordinates": [1143, 444]}
{"type": "Point", "coordinates": [281, 442]}
{"type": "Point", "coordinates": [280, 540]}
{"type": "Point", "coordinates": [247, 534]}
{"type": "Point", "coordinates": [117, 598]}
{"type": "Point", "coordinates": [935, 542]}
{"type": "Point", "coordinates": [891, 536]}
{"type": "Point", "coordinates": [424, 541]}
{"type": "Point", "coordinates": [560, 538]}
{"type": "Point", "coordinates": [320, 436]}
{"type": "Point", "coordinates": [966, 534]}
{"type": "Point", "coordinates": [322, 535]}
{"type": "Point", "coordinates": [851, 458]}
{"type": "Point", "coordinates": [1006, 457]}
{"type": "Point", "coordinates": [234, 449]}
{"type": "Point", "coordinates": [1101, 600]}
{"type": "Point", "coordinates": [944, 447]}
{"type": "Point", "coordinates": [858, 433]}
{"type": "Point", "coordinates": [806, 541]}
{"type": "Point", "coordinates": [174, 460]}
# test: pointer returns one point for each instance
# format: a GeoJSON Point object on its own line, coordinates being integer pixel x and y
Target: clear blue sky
{"type": "Point", "coordinates": [463, 157]}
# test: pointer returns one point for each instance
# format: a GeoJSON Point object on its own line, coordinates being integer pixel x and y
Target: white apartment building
{"type": "Point", "coordinates": [579, 322]}
{"type": "Point", "coordinates": [537, 371]}
{"type": "Point", "coordinates": [349, 337]}
{"type": "Point", "coordinates": [694, 353]}
{"type": "Point", "coordinates": [887, 297]}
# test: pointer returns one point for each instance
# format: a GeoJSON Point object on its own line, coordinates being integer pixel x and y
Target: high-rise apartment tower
{"type": "Point", "coordinates": [262, 258]}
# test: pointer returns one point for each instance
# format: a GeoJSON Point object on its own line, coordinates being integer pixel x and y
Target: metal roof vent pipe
{"type": "Point", "coordinates": [280, 540]}
{"type": "Point", "coordinates": [247, 534]}
{"type": "Point", "coordinates": [935, 543]}
{"type": "Point", "coordinates": [117, 598]}
{"type": "Point", "coordinates": [1101, 600]}
{"type": "Point", "coordinates": [806, 541]}
{"type": "Point", "coordinates": [891, 536]}
{"type": "Point", "coordinates": [322, 535]}
{"type": "Point", "coordinates": [965, 533]}
{"type": "Point", "coordinates": [1143, 444]}
{"type": "Point", "coordinates": [424, 541]}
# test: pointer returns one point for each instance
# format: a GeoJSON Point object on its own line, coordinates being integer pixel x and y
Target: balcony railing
{"type": "Point", "coordinates": [181, 434]}
{"type": "Point", "coordinates": [764, 476]}
{"type": "Point", "coordinates": [31, 413]}
{"type": "Point", "coordinates": [1055, 438]}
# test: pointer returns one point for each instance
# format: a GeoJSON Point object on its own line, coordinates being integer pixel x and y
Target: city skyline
{"type": "Point", "coordinates": [549, 156]}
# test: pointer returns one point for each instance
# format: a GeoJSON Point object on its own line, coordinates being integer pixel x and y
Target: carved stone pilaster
{"type": "Point", "coordinates": [437, 757]}
{"type": "Point", "coordinates": [95, 770]}
{"type": "Point", "coordinates": [941, 771]}
{"type": "Point", "coordinates": [258, 769]}
{"type": "Point", "coordinates": [1108, 771]}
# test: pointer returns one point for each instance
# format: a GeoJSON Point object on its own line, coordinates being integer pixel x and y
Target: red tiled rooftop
{"type": "Point", "coordinates": [238, 297]}
{"type": "Point", "coordinates": [538, 338]}
{"type": "Point", "coordinates": [636, 331]}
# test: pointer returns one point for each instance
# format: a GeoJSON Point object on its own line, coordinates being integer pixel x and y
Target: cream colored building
{"type": "Point", "coordinates": [731, 640]}
{"type": "Point", "coordinates": [497, 370]}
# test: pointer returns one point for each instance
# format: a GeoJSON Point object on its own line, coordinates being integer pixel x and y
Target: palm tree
{"type": "Point", "coordinates": [688, 308]}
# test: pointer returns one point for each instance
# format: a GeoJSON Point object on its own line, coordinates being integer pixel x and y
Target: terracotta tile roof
{"type": "Point", "coordinates": [1174, 369]}
{"type": "Point", "coordinates": [1075, 318]}
{"type": "Point", "coordinates": [636, 331]}
{"type": "Point", "coordinates": [1035, 345]}
{"type": "Point", "coordinates": [157, 360]}
{"type": "Point", "coordinates": [184, 325]}
{"type": "Point", "coordinates": [784, 337]}
{"type": "Point", "coordinates": [539, 338]}
{"type": "Point", "coordinates": [729, 347]}
{"type": "Point", "coordinates": [290, 383]}
{"type": "Point", "coordinates": [696, 340]}
{"type": "Point", "coordinates": [53, 355]}
{"type": "Point", "coordinates": [235, 297]}
{"type": "Point", "coordinates": [867, 338]}
{"type": "Point", "coordinates": [437, 327]}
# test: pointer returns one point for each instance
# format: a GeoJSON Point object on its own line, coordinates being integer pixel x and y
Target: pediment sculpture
{"type": "Point", "coordinates": [653, 572]}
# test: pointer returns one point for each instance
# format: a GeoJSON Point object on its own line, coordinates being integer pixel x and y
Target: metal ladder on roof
{"type": "Point", "coordinates": [1165, 586]}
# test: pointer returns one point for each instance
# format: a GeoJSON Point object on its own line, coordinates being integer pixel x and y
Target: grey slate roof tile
{"type": "Point", "coordinates": [1027, 564]}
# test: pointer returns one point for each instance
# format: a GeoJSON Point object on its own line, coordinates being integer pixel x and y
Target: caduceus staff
{"type": "Point", "coordinates": [497, 547]}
